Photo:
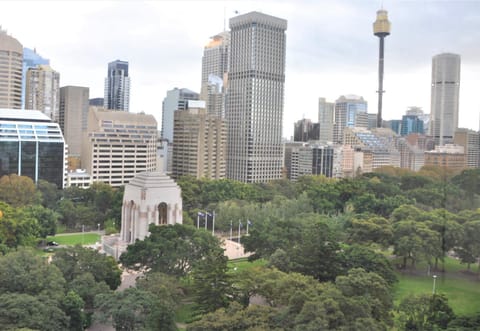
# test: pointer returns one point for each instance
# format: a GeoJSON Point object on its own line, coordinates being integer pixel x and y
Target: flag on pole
{"type": "Point", "coordinates": [200, 214]}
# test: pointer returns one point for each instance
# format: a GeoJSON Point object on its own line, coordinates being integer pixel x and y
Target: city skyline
{"type": "Point", "coordinates": [330, 48]}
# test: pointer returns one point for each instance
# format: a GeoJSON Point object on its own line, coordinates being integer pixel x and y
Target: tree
{"type": "Point", "coordinates": [31, 293]}
{"type": "Point", "coordinates": [17, 227]}
{"type": "Point", "coordinates": [316, 254]}
{"type": "Point", "coordinates": [357, 256]}
{"type": "Point", "coordinates": [21, 310]}
{"type": "Point", "coordinates": [424, 312]}
{"type": "Point", "coordinates": [74, 261]}
{"type": "Point", "coordinates": [369, 290]}
{"type": "Point", "coordinates": [73, 307]}
{"type": "Point", "coordinates": [50, 194]}
{"type": "Point", "coordinates": [469, 249]}
{"type": "Point", "coordinates": [18, 190]}
{"type": "Point", "coordinates": [374, 230]}
{"type": "Point", "coordinates": [46, 218]}
{"type": "Point", "coordinates": [135, 309]}
{"type": "Point", "coordinates": [172, 249]}
{"type": "Point", "coordinates": [211, 286]}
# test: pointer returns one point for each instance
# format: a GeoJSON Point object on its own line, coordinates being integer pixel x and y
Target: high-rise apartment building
{"type": "Point", "coordinates": [11, 59]}
{"type": "Point", "coordinates": [118, 145]}
{"type": "Point", "coordinates": [31, 145]}
{"type": "Point", "coordinates": [31, 59]}
{"type": "Point", "coordinates": [42, 91]}
{"type": "Point", "coordinates": [73, 116]}
{"type": "Point", "coordinates": [176, 99]}
{"type": "Point", "coordinates": [326, 111]}
{"type": "Point", "coordinates": [117, 86]}
{"type": "Point", "coordinates": [350, 112]}
{"type": "Point", "coordinates": [214, 71]}
{"type": "Point", "coordinates": [199, 144]}
{"type": "Point", "coordinates": [255, 97]}
{"type": "Point", "coordinates": [444, 97]}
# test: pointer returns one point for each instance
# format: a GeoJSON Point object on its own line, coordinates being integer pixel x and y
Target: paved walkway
{"type": "Point", "coordinates": [234, 250]}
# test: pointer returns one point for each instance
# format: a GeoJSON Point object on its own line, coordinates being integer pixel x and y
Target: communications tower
{"type": "Point", "coordinates": [381, 29]}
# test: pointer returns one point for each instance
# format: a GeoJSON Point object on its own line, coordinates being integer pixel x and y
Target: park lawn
{"type": "Point", "coordinates": [75, 239]}
{"type": "Point", "coordinates": [243, 264]}
{"type": "Point", "coordinates": [463, 294]}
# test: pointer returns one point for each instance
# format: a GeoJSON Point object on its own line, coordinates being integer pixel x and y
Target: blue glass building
{"type": "Point", "coordinates": [31, 145]}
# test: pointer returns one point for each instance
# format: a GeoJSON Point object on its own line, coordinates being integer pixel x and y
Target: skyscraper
{"type": "Point", "coordinates": [214, 72]}
{"type": "Point", "coordinates": [42, 91]}
{"type": "Point", "coordinates": [255, 97]}
{"type": "Point", "coordinates": [325, 119]}
{"type": "Point", "coordinates": [73, 116]}
{"type": "Point", "coordinates": [350, 112]}
{"type": "Point", "coordinates": [444, 97]}
{"type": "Point", "coordinates": [31, 59]}
{"type": "Point", "coordinates": [11, 58]}
{"type": "Point", "coordinates": [176, 99]}
{"type": "Point", "coordinates": [117, 86]}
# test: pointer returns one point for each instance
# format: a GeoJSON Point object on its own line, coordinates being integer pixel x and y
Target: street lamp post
{"type": "Point", "coordinates": [434, 279]}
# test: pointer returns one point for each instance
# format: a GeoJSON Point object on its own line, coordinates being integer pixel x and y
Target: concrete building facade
{"type": "Point", "coordinates": [199, 144]}
{"type": "Point", "coordinates": [255, 97]}
{"type": "Point", "coordinates": [118, 145]}
{"type": "Point", "coordinates": [11, 67]}
{"type": "Point", "coordinates": [444, 97]}
{"type": "Point", "coordinates": [326, 112]}
{"type": "Point", "coordinates": [449, 156]}
{"type": "Point", "coordinates": [176, 99]}
{"type": "Point", "coordinates": [470, 140]}
{"type": "Point", "coordinates": [42, 91]}
{"type": "Point", "coordinates": [214, 73]}
{"type": "Point", "coordinates": [73, 112]}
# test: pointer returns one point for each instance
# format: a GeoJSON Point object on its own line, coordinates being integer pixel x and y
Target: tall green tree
{"type": "Point", "coordinates": [75, 261]}
{"type": "Point", "coordinates": [172, 249]}
{"type": "Point", "coordinates": [18, 190]}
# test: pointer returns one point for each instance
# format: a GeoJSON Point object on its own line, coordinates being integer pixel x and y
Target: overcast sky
{"type": "Point", "coordinates": [331, 49]}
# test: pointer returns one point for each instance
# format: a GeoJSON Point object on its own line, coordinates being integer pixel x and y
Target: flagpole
{"type": "Point", "coordinates": [206, 219]}
{"type": "Point", "coordinates": [231, 229]}
{"type": "Point", "coordinates": [213, 226]}
{"type": "Point", "coordinates": [198, 220]}
{"type": "Point", "coordinates": [248, 221]}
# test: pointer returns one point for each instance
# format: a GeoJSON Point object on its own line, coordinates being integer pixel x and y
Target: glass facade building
{"type": "Point", "coordinates": [31, 145]}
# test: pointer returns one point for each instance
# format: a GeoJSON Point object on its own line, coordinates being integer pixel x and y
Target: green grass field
{"type": "Point", "coordinates": [87, 238]}
{"type": "Point", "coordinates": [462, 291]}
{"type": "Point", "coordinates": [243, 263]}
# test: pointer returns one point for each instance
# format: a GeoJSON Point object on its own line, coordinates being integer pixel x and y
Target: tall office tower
{"type": "Point", "coordinates": [176, 99]}
{"type": "Point", "coordinates": [11, 57]}
{"type": "Point", "coordinates": [350, 112]}
{"type": "Point", "coordinates": [470, 140]}
{"type": "Point", "coordinates": [255, 97]}
{"type": "Point", "coordinates": [118, 145]}
{"type": "Point", "coordinates": [214, 72]}
{"type": "Point", "coordinates": [31, 145]}
{"type": "Point", "coordinates": [381, 29]}
{"type": "Point", "coordinates": [411, 124]}
{"type": "Point", "coordinates": [117, 86]}
{"type": "Point", "coordinates": [31, 59]}
{"type": "Point", "coordinates": [445, 95]}
{"type": "Point", "coordinates": [42, 91]}
{"type": "Point", "coordinates": [326, 111]}
{"type": "Point", "coordinates": [199, 144]}
{"type": "Point", "coordinates": [73, 117]}
{"type": "Point", "coordinates": [304, 130]}
{"type": "Point", "coordinates": [425, 118]}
